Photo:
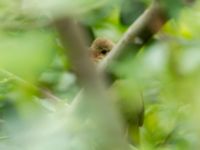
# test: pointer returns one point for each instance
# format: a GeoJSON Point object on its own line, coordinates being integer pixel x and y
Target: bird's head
{"type": "Point", "coordinates": [100, 48]}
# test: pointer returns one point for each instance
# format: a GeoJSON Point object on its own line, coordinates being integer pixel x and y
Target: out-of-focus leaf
{"type": "Point", "coordinates": [131, 10]}
{"type": "Point", "coordinates": [26, 54]}
{"type": "Point", "coordinates": [172, 7]}
{"type": "Point", "coordinates": [62, 7]}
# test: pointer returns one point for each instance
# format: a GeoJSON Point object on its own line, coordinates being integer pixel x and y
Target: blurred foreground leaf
{"type": "Point", "coordinates": [26, 54]}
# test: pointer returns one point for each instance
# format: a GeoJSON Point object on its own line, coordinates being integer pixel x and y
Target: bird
{"type": "Point", "coordinates": [99, 48]}
{"type": "Point", "coordinates": [129, 96]}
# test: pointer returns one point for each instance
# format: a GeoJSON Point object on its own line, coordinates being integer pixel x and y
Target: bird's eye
{"type": "Point", "coordinates": [104, 52]}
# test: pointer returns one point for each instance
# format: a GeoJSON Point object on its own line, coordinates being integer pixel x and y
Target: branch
{"type": "Point", "coordinates": [71, 37]}
{"type": "Point", "coordinates": [43, 92]}
{"type": "Point", "coordinates": [93, 102]}
{"type": "Point", "coordinates": [148, 24]}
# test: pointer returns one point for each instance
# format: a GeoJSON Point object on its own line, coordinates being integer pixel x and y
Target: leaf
{"type": "Point", "coordinates": [26, 54]}
{"type": "Point", "coordinates": [131, 10]}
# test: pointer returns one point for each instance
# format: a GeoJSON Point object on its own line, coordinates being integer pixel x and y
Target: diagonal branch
{"type": "Point", "coordinates": [43, 92]}
{"type": "Point", "coordinates": [147, 25]}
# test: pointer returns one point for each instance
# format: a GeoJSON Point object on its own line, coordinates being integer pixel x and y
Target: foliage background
{"type": "Point", "coordinates": [31, 58]}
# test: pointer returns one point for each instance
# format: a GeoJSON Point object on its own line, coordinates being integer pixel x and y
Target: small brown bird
{"type": "Point", "coordinates": [100, 48]}
{"type": "Point", "coordinates": [129, 99]}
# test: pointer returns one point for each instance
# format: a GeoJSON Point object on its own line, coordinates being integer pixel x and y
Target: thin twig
{"type": "Point", "coordinates": [44, 92]}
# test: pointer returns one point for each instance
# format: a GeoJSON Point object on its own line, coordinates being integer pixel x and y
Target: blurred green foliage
{"type": "Point", "coordinates": [31, 58]}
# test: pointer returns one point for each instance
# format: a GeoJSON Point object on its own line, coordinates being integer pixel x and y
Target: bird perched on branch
{"type": "Point", "coordinates": [129, 97]}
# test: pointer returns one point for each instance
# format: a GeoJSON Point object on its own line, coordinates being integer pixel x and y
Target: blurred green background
{"type": "Point", "coordinates": [32, 59]}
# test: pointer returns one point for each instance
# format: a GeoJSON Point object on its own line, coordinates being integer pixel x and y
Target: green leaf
{"type": "Point", "coordinates": [26, 54]}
